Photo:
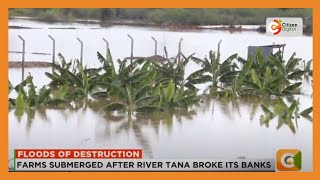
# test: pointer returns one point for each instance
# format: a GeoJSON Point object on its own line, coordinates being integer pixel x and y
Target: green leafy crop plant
{"type": "Point", "coordinates": [146, 85]}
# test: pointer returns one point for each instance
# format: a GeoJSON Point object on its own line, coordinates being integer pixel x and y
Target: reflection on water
{"type": "Point", "coordinates": [215, 128]}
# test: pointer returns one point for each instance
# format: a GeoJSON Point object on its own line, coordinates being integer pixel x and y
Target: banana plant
{"type": "Point", "coordinates": [61, 96]}
{"type": "Point", "coordinates": [31, 99]}
{"type": "Point", "coordinates": [63, 68]}
{"type": "Point", "coordinates": [266, 85]}
{"type": "Point", "coordinates": [130, 100]}
{"type": "Point", "coordinates": [129, 88]}
{"type": "Point", "coordinates": [84, 81]}
{"type": "Point", "coordinates": [289, 70]}
{"type": "Point", "coordinates": [107, 66]}
{"type": "Point", "coordinates": [80, 79]}
{"type": "Point", "coordinates": [146, 85]}
{"type": "Point", "coordinates": [174, 71]}
{"type": "Point", "coordinates": [19, 103]}
{"type": "Point", "coordinates": [270, 84]}
{"type": "Point", "coordinates": [125, 72]}
{"type": "Point", "coordinates": [170, 96]}
{"type": "Point", "coordinates": [269, 76]}
{"type": "Point", "coordinates": [132, 91]}
{"type": "Point", "coordinates": [213, 71]}
{"type": "Point", "coordinates": [126, 75]}
{"type": "Point", "coordinates": [307, 69]}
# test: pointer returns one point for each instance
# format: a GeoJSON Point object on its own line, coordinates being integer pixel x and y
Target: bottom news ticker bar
{"type": "Point", "coordinates": [254, 165]}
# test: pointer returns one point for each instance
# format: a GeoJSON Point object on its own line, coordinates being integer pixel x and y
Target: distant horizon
{"type": "Point", "coordinates": [167, 16]}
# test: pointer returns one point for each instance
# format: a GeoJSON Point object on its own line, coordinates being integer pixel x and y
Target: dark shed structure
{"type": "Point", "coordinates": [266, 50]}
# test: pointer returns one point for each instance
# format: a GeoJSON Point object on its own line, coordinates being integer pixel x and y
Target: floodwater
{"type": "Point", "coordinates": [223, 129]}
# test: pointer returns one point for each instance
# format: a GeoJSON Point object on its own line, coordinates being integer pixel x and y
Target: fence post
{"type": "Point", "coordinates": [131, 57]}
{"type": "Point", "coordinates": [165, 52]}
{"type": "Point", "coordinates": [282, 53]}
{"type": "Point", "coordinates": [81, 51]}
{"type": "Point", "coordinates": [179, 53]}
{"type": "Point", "coordinates": [23, 56]}
{"type": "Point", "coordinates": [107, 46]}
{"type": "Point", "coordinates": [155, 46]}
{"type": "Point", "coordinates": [218, 53]}
{"type": "Point", "coordinates": [53, 51]}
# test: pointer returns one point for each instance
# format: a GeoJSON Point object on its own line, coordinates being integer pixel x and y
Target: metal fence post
{"type": "Point", "coordinates": [165, 52]}
{"type": "Point", "coordinates": [23, 56]}
{"type": "Point", "coordinates": [107, 46]}
{"type": "Point", "coordinates": [155, 46]}
{"type": "Point", "coordinates": [179, 53]}
{"type": "Point", "coordinates": [81, 51]}
{"type": "Point", "coordinates": [53, 51]}
{"type": "Point", "coordinates": [282, 53]}
{"type": "Point", "coordinates": [131, 57]}
{"type": "Point", "coordinates": [218, 53]}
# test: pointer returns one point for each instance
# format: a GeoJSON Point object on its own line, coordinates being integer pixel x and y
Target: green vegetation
{"type": "Point", "coordinates": [168, 16]}
{"type": "Point", "coordinates": [145, 86]}
{"type": "Point", "coordinates": [215, 72]}
{"type": "Point", "coordinates": [260, 76]}
{"type": "Point", "coordinates": [56, 14]}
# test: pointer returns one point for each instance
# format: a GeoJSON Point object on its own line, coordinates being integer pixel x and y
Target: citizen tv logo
{"type": "Point", "coordinates": [281, 26]}
{"type": "Point", "coordinates": [289, 160]}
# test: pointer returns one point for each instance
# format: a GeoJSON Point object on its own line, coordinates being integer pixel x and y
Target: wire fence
{"type": "Point", "coordinates": [81, 52]}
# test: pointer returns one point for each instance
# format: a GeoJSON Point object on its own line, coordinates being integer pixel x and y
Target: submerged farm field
{"type": "Point", "coordinates": [211, 104]}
